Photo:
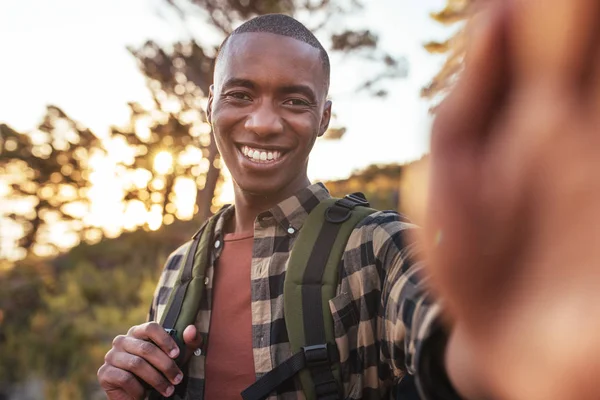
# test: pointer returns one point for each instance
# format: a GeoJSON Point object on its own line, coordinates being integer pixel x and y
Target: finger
{"type": "Point", "coordinates": [152, 356]}
{"type": "Point", "coordinates": [154, 332]}
{"type": "Point", "coordinates": [140, 368]}
{"type": "Point", "coordinates": [552, 40]}
{"type": "Point", "coordinates": [117, 394]}
{"type": "Point", "coordinates": [119, 384]}
{"type": "Point", "coordinates": [192, 339]}
{"type": "Point", "coordinates": [467, 111]}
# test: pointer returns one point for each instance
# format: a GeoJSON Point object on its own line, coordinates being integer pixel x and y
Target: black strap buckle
{"type": "Point", "coordinates": [342, 209]}
{"type": "Point", "coordinates": [359, 199]}
{"type": "Point", "coordinates": [316, 355]}
{"type": "Point", "coordinates": [319, 359]}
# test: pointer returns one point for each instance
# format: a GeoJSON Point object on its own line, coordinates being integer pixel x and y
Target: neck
{"type": "Point", "coordinates": [249, 205]}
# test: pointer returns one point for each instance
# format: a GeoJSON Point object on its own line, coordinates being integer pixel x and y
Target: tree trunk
{"type": "Point", "coordinates": [205, 196]}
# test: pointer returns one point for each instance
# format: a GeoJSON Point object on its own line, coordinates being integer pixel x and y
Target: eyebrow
{"type": "Point", "coordinates": [232, 82]}
{"type": "Point", "coordinates": [302, 89]}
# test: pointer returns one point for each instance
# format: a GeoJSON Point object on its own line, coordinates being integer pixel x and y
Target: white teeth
{"type": "Point", "coordinates": [260, 155]}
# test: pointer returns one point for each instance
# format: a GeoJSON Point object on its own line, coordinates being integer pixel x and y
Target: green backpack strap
{"type": "Point", "coordinates": [311, 281]}
{"type": "Point", "coordinates": [184, 302]}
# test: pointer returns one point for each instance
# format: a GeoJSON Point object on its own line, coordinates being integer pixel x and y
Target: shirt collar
{"type": "Point", "coordinates": [290, 213]}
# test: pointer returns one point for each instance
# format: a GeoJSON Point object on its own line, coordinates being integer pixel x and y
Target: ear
{"type": "Point", "coordinates": [326, 117]}
{"type": "Point", "coordinates": [211, 96]}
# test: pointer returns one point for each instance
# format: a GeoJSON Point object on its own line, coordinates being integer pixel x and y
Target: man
{"type": "Point", "coordinates": [267, 107]}
{"type": "Point", "coordinates": [491, 234]}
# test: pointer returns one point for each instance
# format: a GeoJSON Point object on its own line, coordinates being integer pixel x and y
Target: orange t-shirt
{"type": "Point", "coordinates": [229, 357]}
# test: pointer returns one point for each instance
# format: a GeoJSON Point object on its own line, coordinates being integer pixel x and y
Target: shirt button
{"type": "Point", "coordinates": [206, 280]}
{"type": "Point", "coordinates": [291, 230]}
{"type": "Point", "coordinates": [217, 244]}
{"type": "Point", "coordinates": [198, 352]}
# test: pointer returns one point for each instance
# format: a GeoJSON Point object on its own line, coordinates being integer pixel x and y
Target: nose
{"type": "Point", "coordinates": [264, 120]}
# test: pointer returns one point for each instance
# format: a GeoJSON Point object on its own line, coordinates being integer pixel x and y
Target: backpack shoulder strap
{"type": "Point", "coordinates": [311, 281]}
{"type": "Point", "coordinates": [184, 302]}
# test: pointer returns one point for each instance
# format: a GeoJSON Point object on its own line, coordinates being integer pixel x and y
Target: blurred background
{"type": "Point", "coordinates": [107, 162]}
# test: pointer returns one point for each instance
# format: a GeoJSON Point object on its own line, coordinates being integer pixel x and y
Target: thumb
{"type": "Point", "coordinates": [192, 339]}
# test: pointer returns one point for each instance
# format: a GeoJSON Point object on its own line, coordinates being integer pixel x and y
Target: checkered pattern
{"type": "Point", "coordinates": [380, 312]}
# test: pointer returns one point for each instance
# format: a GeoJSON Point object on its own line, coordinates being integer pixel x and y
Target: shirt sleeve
{"type": "Point", "coordinates": [411, 334]}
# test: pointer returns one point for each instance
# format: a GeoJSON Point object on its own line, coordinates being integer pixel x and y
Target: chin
{"type": "Point", "coordinates": [259, 186]}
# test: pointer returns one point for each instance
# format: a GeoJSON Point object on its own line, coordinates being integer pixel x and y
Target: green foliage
{"type": "Point", "coordinates": [379, 183]}
{"type": "Point", "coordinates": [61, 315]}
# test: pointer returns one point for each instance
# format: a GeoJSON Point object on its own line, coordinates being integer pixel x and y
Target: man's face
{"type": "Point", "coordinates": [267, 107]}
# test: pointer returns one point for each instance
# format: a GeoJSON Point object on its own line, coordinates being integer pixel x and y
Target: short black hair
{"type": "Point", "coordinates": [284, 25]}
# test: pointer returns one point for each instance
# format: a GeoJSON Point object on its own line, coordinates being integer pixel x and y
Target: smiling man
{"type": "Point", "coordinates": [267, 107]}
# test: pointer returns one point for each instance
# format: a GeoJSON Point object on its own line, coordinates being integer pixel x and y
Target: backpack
{"type": "Point", "coordinates": [311, 281]}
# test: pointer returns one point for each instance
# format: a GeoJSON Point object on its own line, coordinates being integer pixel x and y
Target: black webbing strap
{"type": "Point", "coordinates": [270, 381]}
{"type": "Point", "coordinates": [323, 379]}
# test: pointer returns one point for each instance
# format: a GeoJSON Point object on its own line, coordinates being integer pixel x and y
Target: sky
{"type": "Point", "coordinates": [72, 53]}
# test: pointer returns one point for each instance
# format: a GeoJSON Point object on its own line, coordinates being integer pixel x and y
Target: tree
{"type": "Point", "coordinates": [173, 141]}
{"type": "Point", "coordinates": [48, 171]}
{"type": "Point", "coordinates": [456, 11]}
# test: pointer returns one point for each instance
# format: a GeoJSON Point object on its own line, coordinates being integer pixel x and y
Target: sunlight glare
{"type": "Point", "coordinates": [4, 188]}
{"type": "Point", "coordinates": [157, 184]}
{"type": "Point", "coordinates": [106, 195]}
{"type": "Point", "coordinates": [163, 162]}
{"type": "Point", "coordinates": [135, 215]}
{"type": "Point", "coordinates": [190, 156]}
{"type": "Point", "coordinates": [155, 217]}
{"type": "Point", "coordinates": [120, 150]}
{"type": "Point", "coordinates": [141, 177]}
{"type": "Point", "coordinates": [226, 195]}
{"type": "Point", "coordinates": [142, 128]}
{"type": "Point", "coordinates": [185, 198]}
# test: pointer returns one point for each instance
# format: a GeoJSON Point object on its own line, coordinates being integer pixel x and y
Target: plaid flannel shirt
{"type": "Point", "coordinates": [381, 313]}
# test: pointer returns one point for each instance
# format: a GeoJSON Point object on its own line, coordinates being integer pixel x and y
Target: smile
{"type": "Point", "coordinates": [261, 156]}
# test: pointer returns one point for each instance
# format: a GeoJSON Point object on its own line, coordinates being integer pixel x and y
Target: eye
{"type": "Point", "coordinates": [239, 96]}
{"type": "Point", "coordinates": [297, 102]}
